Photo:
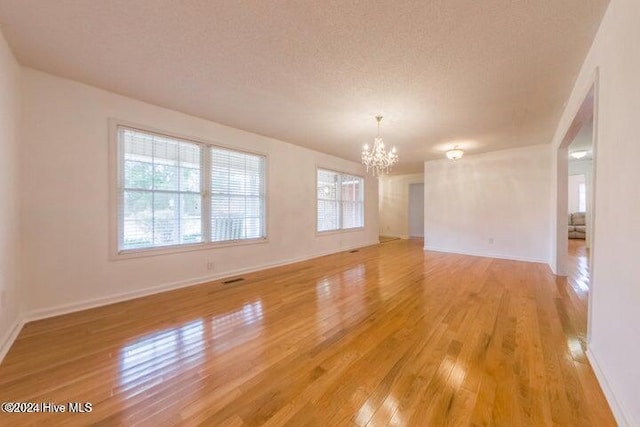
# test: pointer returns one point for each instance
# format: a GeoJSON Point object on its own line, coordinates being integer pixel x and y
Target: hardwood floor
{"type": "Point", "coordinates": [388, 335]}
{"type": "Point", "coordinates": [578, 281]}
{"type": "Point", "coordinates": [579, 266]}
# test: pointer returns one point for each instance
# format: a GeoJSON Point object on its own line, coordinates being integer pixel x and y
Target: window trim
{"type": "Point", "coordinates": [115, 174]}
{"type": "Point", "coordinates": [364, 203]}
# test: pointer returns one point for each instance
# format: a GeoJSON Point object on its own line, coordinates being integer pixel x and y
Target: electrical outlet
{"type": "Point", "coordinates": [210, 265]}
{"type": "Point", "coordinates": [491, 240]}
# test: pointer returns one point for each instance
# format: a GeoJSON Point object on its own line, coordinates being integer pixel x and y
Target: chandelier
{"type": "Point", "coordinates": [377, 159]}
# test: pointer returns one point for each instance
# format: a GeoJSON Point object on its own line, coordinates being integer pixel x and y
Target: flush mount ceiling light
{"type": "Point", "coordinates": [578, 154]}
{"type": "Point", "coordinates": [377, 160]}
{"type": "Point", "coordinates": [455, 154]}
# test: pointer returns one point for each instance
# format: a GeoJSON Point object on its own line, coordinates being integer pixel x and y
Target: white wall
{"type": "Point", "coordinates": [614, 344]}
{"type": "Point", "coordinates": [66, 207]}
{"type": "Point", "coordinates": [394, 204]}
{"type": "Point", "coordinates": [494, 204]}
{"type": "Point", "coordinates": [10, 290]}
{"type": "Point", "coordinates": [580, 167]}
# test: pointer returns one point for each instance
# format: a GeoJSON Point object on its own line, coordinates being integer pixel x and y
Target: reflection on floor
{"type": "Point", "coordinates": [578, 281]}
{"type": "Point", "coordinates": [579, 266]}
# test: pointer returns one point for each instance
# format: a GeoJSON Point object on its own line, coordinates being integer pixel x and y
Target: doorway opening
{"type": "Point", "coordinates": [580, 188]}
{"type": "Point", "coordinates": [416, 210]}
{"type": "Point", "coordinates": [576, 161]}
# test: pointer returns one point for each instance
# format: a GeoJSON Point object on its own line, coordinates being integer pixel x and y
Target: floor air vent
{"type": "Point", "coordinates": [354, 251]}
{"type": "Point", "coordinates": [228, 282]}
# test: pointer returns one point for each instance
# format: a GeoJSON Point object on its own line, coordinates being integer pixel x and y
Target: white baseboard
{"type": "Point", "coordinates": [11, 335]}
{"type": "Point", "coordinates": [58, 310]}
{"type": "Point", "coordinates": [619, 413]}
{"type": "Point", "coordinates": [485, 254]}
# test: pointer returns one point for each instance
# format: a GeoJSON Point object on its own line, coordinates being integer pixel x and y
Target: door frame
{"type": "Point", "coordinates": [588, 110]}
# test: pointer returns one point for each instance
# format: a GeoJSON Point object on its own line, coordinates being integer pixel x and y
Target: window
{"type": "Point", "coordinates": [165, 199]}
{"type": "Point", "coordinates": [340, 201]}
{"type": "Point", "coordinates": [237, 195]}
{"type": "Point", "coordinates": [582, 197]}
{"type": "Point", "coordinates": [161, 201]}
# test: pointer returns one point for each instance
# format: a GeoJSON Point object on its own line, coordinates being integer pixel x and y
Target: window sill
{"type": "Point", "coordinates": [340, 231]}
{"type": "Point", "coordinates": [167, 250]}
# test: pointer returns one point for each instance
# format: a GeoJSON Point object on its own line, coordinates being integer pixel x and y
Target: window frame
{"type": "Point", "coordinates": [115, 184]}
{"type": "Point", "coordinates": [340, 220]}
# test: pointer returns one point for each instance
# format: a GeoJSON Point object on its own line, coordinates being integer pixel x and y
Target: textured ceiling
{"type": "Point", "coordinates": [485, 75]}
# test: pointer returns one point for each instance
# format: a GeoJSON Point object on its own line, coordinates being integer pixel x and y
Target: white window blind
{"type": "Point", "coordinates": [162, 201]}
{"type": "Point", "coordinates": [237, 195]}
{"type": "Point", "coordinates": [340, 201]}
{"type": "Point", "coordinates": [352, 201]}
{"type": "Point", "coordinates": [328, 201]}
